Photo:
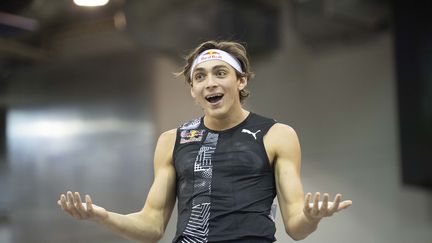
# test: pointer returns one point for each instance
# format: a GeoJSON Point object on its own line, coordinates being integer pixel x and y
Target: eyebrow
{"type": "Point", "coordinates": [213, 68]}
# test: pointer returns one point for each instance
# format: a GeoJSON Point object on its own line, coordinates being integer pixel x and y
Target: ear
{"type": "Point", "coordinates": [192, 93]}
{"type": "Point", "coordinates": [242, 83]}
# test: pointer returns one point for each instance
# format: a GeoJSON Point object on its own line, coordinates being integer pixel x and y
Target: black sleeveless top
{"type": "Point", "coordinates": [225, 184]}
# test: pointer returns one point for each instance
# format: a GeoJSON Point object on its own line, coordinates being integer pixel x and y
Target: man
{"type": "Point", "coordinates": [224, 168]}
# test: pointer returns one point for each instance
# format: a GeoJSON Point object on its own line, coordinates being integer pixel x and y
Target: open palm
{"type": "Point", "coordinates": [73, 205]}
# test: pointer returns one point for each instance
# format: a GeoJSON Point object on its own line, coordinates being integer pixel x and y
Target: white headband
{"type": "Point", "coordinates": [216, 54]}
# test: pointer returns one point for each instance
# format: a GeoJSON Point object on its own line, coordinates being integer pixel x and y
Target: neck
{"type": "Point", "coordinates": [225, 122]}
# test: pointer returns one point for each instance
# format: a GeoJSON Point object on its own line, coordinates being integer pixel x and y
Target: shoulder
{"type": "Point", "coordinates": [166, 141]}
{"type": "Point", "coordinates": [164, 149]}
{"type": "Point", "coordinates": [281, 131]}
{"type": "Point", "coordinates": [168, 137]}
{"type": "Point", "coordinates": [281, 139]}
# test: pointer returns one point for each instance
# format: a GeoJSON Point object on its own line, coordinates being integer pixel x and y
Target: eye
{"type": "Point", "coordinates": [199, 76]}
{"type": "Point", "coordinates": [221, 73]}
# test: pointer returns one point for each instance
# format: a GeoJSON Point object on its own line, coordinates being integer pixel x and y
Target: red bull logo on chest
{"type": "Point", "coordinates": [188, 136]}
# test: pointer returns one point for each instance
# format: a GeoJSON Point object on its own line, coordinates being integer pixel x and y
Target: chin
{"type": "Point", "coordinates": [217, 113]}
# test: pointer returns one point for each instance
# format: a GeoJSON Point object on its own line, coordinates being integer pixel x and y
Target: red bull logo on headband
{"type": "Point", "coordinates": [216, 54]}
{"type": "Point", "coordinates": [210, 55]}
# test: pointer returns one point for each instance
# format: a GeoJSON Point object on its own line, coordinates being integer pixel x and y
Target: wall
{"type": "Point", "coordinates": [83, 128]}
{"type": "Point", "coordinates": [340, 98]}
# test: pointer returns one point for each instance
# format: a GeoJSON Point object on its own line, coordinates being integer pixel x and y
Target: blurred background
{"type": "Point", "coordinates": [86, 91]}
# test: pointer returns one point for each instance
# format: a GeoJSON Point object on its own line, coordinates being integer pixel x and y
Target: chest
{"type": "Point", "coordinates": [230, 154]}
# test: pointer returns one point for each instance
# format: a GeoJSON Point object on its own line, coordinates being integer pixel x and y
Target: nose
{"type": "Point", "coordinates": [211, 82]}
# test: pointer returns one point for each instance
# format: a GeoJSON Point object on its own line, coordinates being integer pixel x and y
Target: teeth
{"type": "Point", "coordinates": [212, 96]}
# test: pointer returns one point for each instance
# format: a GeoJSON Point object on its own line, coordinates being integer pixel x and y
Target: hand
{"type": "Point", "coordinates": [71, 203]}
{"type": "Point", "coordinates": [316, 210]}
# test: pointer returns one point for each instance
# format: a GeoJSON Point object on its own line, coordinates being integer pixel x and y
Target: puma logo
{"type": "Point", "coordinates": [251, 133]}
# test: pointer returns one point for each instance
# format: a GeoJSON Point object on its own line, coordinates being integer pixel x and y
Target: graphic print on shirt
{"type": "Point", "coordinates": [197, 228]}
{"type": "Point", "coordinates": [188, 136]}
{"type": "Point", "coordinates": [251, 133]}
{"type": "Point", "coordinates": [194, 124]}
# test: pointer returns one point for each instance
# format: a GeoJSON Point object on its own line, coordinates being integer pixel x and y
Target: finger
{"type": "Point", "coordinates": [315, 208]}
{"type": "Point", "coordinates": [307, 200]}
{"type": "Point", "coordinates": [79, 206]}
{"type": "Point", "coordinates": [74, 200]}
{"type": "Point", "coordinates": [69, 200]}
{"type": "Point", "coordinates": [59, 201]}
{"type": "Point", "coordinates": [71, 205]}
{"type": "Point", "coordinates": [336, 204]}
{"type": "Point", "coordinates": [324, 205]}
{"type": "Point", "coordinates": [89, 204]}
{"type": "Point", "coordinates": [63, 203]}
{"type": "Point", "coordinates": [344, 204]}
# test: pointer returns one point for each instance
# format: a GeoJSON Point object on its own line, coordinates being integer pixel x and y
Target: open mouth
{"type": "Point", "coordinates": [214, 98]}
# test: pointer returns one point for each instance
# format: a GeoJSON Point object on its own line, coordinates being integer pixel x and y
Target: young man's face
{"type": "Point", "coordinates": [215, 88]}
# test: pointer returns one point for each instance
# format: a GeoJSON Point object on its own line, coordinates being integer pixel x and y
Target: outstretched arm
{"type": "Point", "coordinates": [147, 225]}
{"type": "Point", "coordinates": [300, 217]}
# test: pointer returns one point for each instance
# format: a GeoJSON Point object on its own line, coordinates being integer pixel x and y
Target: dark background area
{"type": "Point", "coordinates": [413, 47]}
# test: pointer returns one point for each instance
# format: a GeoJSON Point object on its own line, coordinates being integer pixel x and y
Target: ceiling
{"type": "Point", "coordinates": [34, 29]}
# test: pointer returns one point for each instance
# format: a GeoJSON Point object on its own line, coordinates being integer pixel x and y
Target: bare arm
{"type": "Point", "coordinates": [300, 217]}
{"type": "Point", "coordinates": [147, 225]}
